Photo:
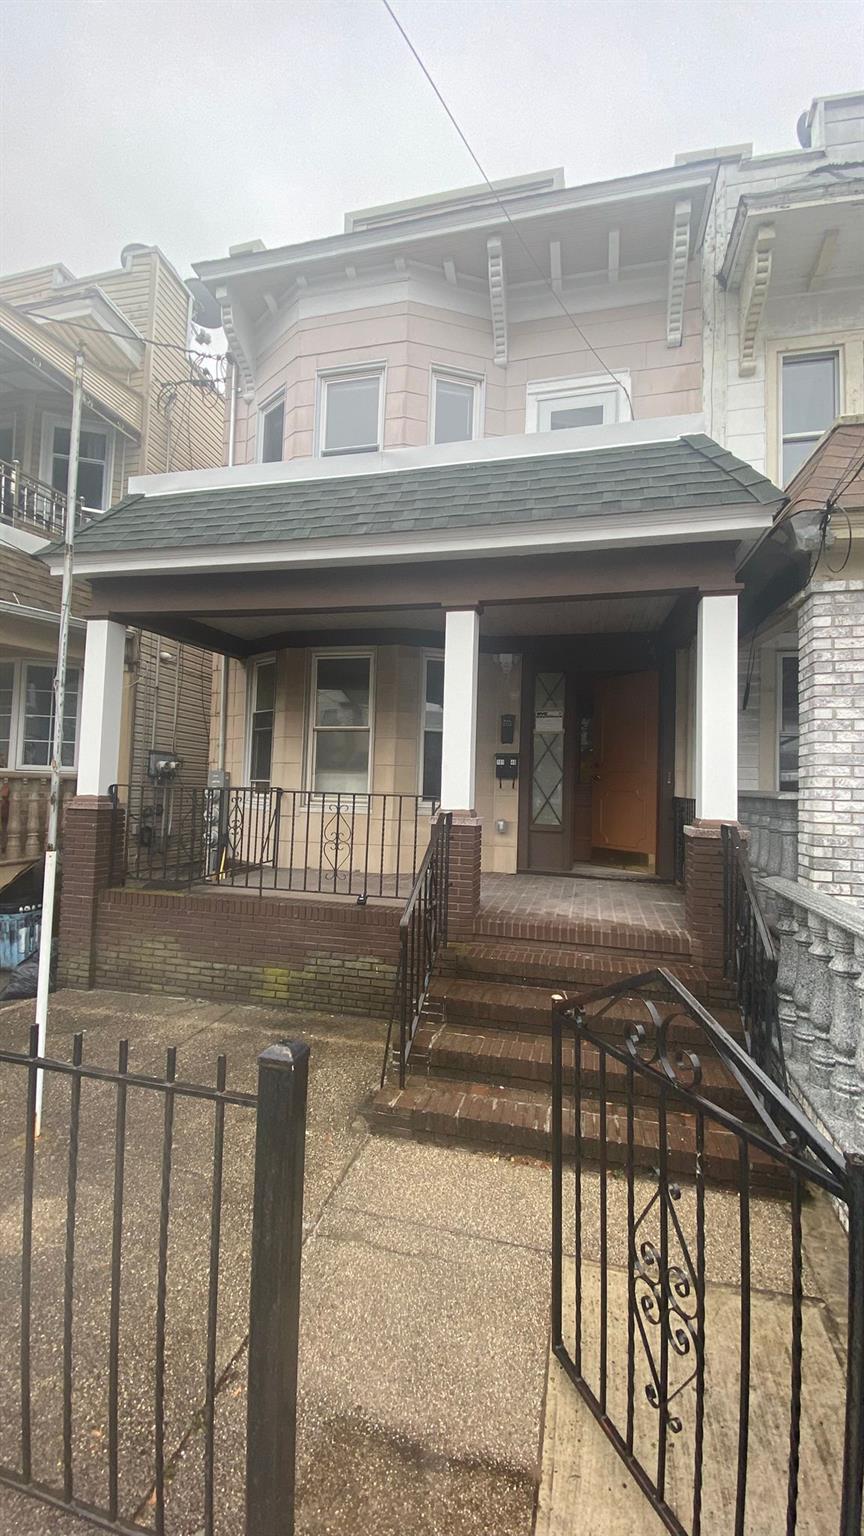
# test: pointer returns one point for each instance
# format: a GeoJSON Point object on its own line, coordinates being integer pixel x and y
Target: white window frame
{"type": "Point", "coordinates": [477, 383]}
{"type": "Point", "coordinates": [46, 452]}
{"type": "Point", "coordinates": [780, 657]}
{"type": "Point", "coordinates": [372, 370]}
{"type": "Point", "coordinates": [270, 404]}
{"type": "Point", "coordinates": [797, 355]}
{"type": "Point", "coordinates": [252, 669]}
{"type": "Point", "coordinates": [334, 653]}
{"type": "Point", "coordinates": [583, 389]}
{"type": "Point", "coordinates": [19, 666]}
{"type": "Point", "coordinates": [426, 657]}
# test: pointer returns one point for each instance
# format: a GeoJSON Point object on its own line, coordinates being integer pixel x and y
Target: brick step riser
{"type": "Point", "coordinates": [467, 1068]}
{"type": "Point", "coordinates": [708, 990]}
{"type": "Point", "coordinates": [487, 1133]}
{"type": "Point", "coordinates": [532, 1022]}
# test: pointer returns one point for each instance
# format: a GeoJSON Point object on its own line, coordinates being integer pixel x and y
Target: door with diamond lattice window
{"type": "Point", "coordinates": [550, 771]}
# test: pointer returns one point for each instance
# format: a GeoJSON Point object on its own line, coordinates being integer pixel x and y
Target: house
{"type": "Point", "coordinates": [141, 414]}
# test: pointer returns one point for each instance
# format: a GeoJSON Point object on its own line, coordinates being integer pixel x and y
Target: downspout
{"type": "Point", "coordinates": [223, 675]}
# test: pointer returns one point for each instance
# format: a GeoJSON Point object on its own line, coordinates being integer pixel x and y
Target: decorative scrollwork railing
{"type": "Point", "coordinates": [751, 958]}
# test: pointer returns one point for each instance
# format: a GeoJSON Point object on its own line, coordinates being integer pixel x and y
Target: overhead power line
{"type": "Point", "coordinates": [493, 189]}
{"type": "Point", "coordinates": [149, 341]}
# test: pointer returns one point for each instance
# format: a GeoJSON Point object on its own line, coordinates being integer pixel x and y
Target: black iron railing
{"type": "Point", "coordinates": [729, 1409]}
{"type": "Point", "coordinates": [750, 958]}
{"type": "Point", "coordinates": [32, 504]}
{"type": "Point", "coordinates": [147, 1154]}
{"type": "Point", "coordinates": [684, 813]}
{"type": "Point", "coordinates": [422, 932]}
{"type": "Point", "coordinates": [271, 839]}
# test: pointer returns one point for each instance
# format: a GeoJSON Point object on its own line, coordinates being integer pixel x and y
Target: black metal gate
{"type": "Point", "coordinates": [710, 1409]}
{"type": "Point", "coordinates": [116, 1181]}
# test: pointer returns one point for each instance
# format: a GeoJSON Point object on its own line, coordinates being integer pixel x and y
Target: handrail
{"type": "Point", "coordinates": [422, 932]}
{"type": "Point", "coordinates": [25, 500]}
{"type": "Point", "coordinates": [751, 958]}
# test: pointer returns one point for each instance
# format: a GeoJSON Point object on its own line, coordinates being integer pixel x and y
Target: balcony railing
{"type": "Point", "coordinates": [33, 505]}
{"type": "Point", "coordinates": [271, 839]}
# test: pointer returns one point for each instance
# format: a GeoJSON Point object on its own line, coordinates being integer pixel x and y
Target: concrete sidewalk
{"type": "Point", "coordinates": [425, 1290]}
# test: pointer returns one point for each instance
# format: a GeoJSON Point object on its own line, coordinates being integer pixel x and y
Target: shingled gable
{"type": "Point", "coordinates": [683, 474]}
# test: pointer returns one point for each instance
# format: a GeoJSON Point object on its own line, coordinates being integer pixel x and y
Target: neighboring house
{"type": "Point", "coordinates": [137, 418]}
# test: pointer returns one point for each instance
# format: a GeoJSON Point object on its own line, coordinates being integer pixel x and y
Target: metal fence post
{"type": "Point", "coordinates": [274, 1301]}
{"type": "Point", "coordinates": [853, 1455]}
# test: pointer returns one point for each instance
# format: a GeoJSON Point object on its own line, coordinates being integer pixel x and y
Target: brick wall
{"type": "Point", "coordinates": [703, 892]}
{"type": "Point", "coordinates": [831, 752]}
{"type": "Point", "coordinates": [324, 955]}
{"type": "Point", "coordinates": [88, 828]}
{"type": "Point", "coordinates": [464, 885]}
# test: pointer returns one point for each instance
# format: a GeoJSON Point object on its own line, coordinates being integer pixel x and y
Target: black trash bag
{"type": "Point", "coordinates": [22, 981]}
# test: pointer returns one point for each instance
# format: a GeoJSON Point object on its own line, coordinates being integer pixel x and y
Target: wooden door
{"type": "Point", "coordinates": [624, 803]}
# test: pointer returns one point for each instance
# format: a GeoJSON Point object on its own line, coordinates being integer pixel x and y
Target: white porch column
{"type": "Point", "coordinates": [101, 707]}
{"type": "Point", "coordinates": [717, 709]}
{"type": "Point", "coordinates": [459, 744]}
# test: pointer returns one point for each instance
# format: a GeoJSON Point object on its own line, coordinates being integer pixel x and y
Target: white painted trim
{"type": "Point", "coordinates": [38, 615]}
{"type": "Point", "coordinates": [582, 389]}
{"type": "Point", "coordinates": [101, 707]}
{"type": "Point", "coordinates": [717, 708]}
{"type": "Point", "coordinates": [375, 370]}
{"type": "Point", "coordinates": [518, 445]}
{"type": "Point", "coordinates": [477, 382]}
{"type": "Point", "coordinates": [459, 745]}
{"type": "Point", "coordinates": [679, 257]}
{"type": "Point", "coordinates": [612, 530]}
{"type": "Point", "coordinates": [20, 538]}
{"type": "Point", "coordinates": [46, 453]}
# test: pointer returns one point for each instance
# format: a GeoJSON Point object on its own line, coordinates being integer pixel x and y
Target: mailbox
{"type": "Point", "coordinates": [506, 768]}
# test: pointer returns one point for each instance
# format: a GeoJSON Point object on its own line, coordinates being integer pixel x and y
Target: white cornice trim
{"type": "Point", "coordinates": [497, 296]}
{"type": "Point", "coordinates": [754, 292]}
{"type": "Point", "coordinates": [601, 531]}
{"type": "Point", "coordinates": [679, 256]}
{"type": "Point", "coordinates": [522, 445]}
{"type": "Point", "coordinates": [39, 615]}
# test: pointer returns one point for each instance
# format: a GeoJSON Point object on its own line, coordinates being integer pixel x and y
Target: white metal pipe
{"type": "Point", "coordinates": [49, 886]}
{"type": "Point", "coordinates": [223, 671]}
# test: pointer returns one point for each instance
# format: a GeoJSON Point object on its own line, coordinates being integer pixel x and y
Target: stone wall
{"type": "Point", "coordinates": [831, 763]}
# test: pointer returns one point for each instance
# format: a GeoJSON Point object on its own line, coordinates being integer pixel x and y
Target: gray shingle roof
{"type": "Point", "coordinates": [685, 473]}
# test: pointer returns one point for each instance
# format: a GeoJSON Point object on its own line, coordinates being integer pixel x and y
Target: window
{"type": "Point", "coordinates": [262, 708]}
{"type": "Point", "coordinates": [36, 717]}
{"type": "Point", "coordinates": [272, 431]}
{"type": "Point", "coordinates": [350, 412]}
{"type": "Point", "coordinates": [341, 691]}
{"type": "Point", "coordinates": [454, 408]}
{"type": "Point", "coordinates": [787, 721]}
{"type": "Point", "coordinates": [7, 442]}
{"type": "Point", "coordinates": [551, 405]}
{"type": "Point", "coordinates": [7, 688]}
{"type": "Point", "coordinates": [809, 404]}
{"type": "Point", "coordinates": [433, 726]}
{"type": "Point", "coordinates": [94, 479]}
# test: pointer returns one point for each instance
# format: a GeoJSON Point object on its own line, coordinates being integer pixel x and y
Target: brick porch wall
{"type": "Point", "coordinates": [88, 826]}
{"type": "Point", "coordinates": [703, 892]}
{"type": "Point", "coordinates": [466, 835]}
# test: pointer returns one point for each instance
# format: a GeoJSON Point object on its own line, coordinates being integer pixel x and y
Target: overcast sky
{"type": "Point", "coordinates": [196, 124]}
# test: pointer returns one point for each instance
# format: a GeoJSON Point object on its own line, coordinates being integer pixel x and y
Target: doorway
{"type": "Point", "coordinates": [590, 793]}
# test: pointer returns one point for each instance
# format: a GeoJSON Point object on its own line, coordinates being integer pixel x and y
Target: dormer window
{"type": "Point", "coordinates": [590, 400]}
{"type": "Point", "coordinates": [350, 411]}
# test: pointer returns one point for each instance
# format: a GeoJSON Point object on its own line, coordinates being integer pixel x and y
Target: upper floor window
{"type": "Point", "coordinates": [351, 412]}
{"type": "Point", "coordinates": [271, 431]}
{"type": "Point", "coordinates": [810, 400]}
{"type": "Point", "coordinates": [341, 721]}
{"type": "Point", "coordinates": [94, 461]}
{"type": "Point", "coordinates": [455, 408]}
{"type": "Point", "coordinates": [551, 405]}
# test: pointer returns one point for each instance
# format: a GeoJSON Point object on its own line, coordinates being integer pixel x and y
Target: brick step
{"type": "Point", "coordinates": [511, 1058]}
{"type": "Point", "coordinates": [509, 1005]}
{"type": "Point", "coordinates": [515, 1118]}
{"type": "Point", "coordinates": [565, 968]}
{"type": "Point", "coordinates": [603, 934]}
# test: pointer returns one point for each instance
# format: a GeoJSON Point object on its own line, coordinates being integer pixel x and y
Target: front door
{"type": "Point", "coordinates": [591, 788]}
{"type": "Point", "coordinates": [624, 798]}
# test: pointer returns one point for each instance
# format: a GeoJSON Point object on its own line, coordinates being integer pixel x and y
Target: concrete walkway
{"type": "Point", "coordinates": [425, 1290]}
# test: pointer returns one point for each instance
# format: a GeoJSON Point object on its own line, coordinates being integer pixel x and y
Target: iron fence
{"type": "Point", "coordinates": [33, 504]}
{"type": "Point", "coordinates": [684, 813]}
{"type": "Point", "coordinates": [271, 839]}
{"type": "Point", "coordinates": [279, 1107]}
{"type": "Point", "coordinates": [728, 1416]}
{"type": "Point", "coordinates": [750, 958]}
{"type": "Point", "coordinates": [422, 932]}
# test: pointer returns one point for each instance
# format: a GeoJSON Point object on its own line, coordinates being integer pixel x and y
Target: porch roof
{"type": "Point", "coordinates": [684, 474]}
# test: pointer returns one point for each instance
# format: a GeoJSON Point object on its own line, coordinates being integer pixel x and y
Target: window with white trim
{"type": "Point", "coordinates": [787, 721]}
{"type": "Point", "coordinates": [350, 412]}
{"type": "Point", "coordinates": [271, 431]}
{"type": "Point", "coordinates": [27, 715]}
{"type": "Point", "coordinates": [94, 462]}
{"type": "Point", "coordinates": [455, 407]}
{"type": "Point", "coordinates": [591, 400]}
{"type": "Point", "coordinates": [262, 708]}
{"type": "Point", "coordinates": [341, 714]}
{"type": "Point", "coordinates": [809, 403]}
{"type": "Point", "coordinates": [432, 727]}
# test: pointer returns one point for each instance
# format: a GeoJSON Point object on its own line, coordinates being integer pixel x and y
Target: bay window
{"type": "Point", "coordinates": [341, 715]}
{"type": "Point", "coordinates": [351, 411]}
{"type": "Point", "coordinates": [455, 407]}
{"type": "Point", "coordinates": [271, 431]}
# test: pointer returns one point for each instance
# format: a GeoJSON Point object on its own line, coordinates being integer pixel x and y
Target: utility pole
{"type": "Point", "coordinates": [50, 883]}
